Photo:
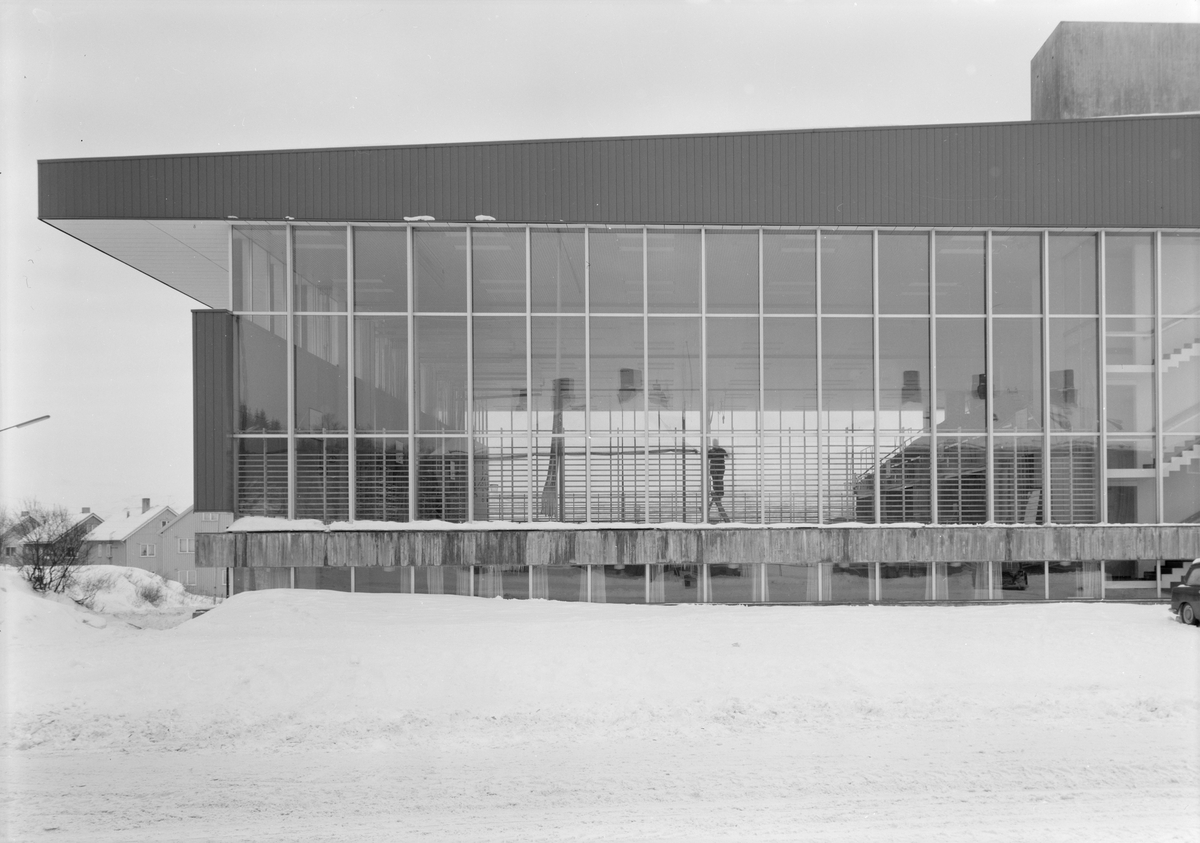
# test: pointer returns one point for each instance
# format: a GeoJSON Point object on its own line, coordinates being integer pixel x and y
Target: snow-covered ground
{"type": "Point", "coordinates": [325, 716]}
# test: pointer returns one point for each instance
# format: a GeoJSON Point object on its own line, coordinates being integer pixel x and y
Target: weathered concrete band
{"type": "Point", "coordinates": [632, 546]}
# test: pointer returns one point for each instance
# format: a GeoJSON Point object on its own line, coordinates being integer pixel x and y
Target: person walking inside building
{"type": "Point", "coordinates": [716, 479]}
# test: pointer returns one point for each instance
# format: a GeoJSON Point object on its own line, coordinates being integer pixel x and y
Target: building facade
{"type": "Point", "coordinates": [178, 542]}
{"type": "Point", "coordinates": [941, 362]}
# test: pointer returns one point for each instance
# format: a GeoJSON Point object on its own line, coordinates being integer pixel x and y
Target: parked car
{"type": "Point", "coordinates": [1185, 595]}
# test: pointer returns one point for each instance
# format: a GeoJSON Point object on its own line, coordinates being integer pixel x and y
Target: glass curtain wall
{"type": "Point", "coordinates": [688, 374]}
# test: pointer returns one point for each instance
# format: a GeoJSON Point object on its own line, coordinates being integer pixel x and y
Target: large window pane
{"type": "Point", "coordinates": [560, 477]}
{"type": "Point", "coordinates": [381, 270]}
{"type": "Point", "coordinates": [440, 269]}
{"type": "Point", "coordinates": [554, 582]}
{"type": "Point", "coordinates": [260, 269]}
{"type": "Point", "coordinates": [442, 579]}
{"type": "Point", "coordinates": [1074, 393]}
{"type": "Point", "coordinates": [558, 373]}
{"type": "Point", "coordinates": [903, 273]}
{"type": "Point", "coordinates": [905, 494]}
{"type": "Point", "coordinates": [557, 270]}
{"type": "Point", "coordinates": [733, 583]}
{"type": "Point", "coordinates": [383, 580]}
{"type": "Point", "coordinates": [674, 583]}
{"type": "Point", "coordinates": [674, 379]}
{"type": "Point", "coordinates": [502, 478]}
{"type": "Point", "coordinates": [904, 375]}
{"type": "Point", "coordinates": [328, 579]}
{"type": "Point", "coordinates": [381, 373]}
{"type": "Point", "coordinates": [500, 386]}
{"type": "Point", "coordinates": [320, 269]}
{"type": "Point", "coordinates": [790, 374]}
{"type": "Point", "coordinates": [1181, 375]}
{"type": "Point", "coordinates": [848, 392]}
{"type": "Point", "coordinates": [848, 477]}
{"type": "Point", "coordinates": [1017, 480]}
{"type": "Point", "coordinates": [789, 272]}
{"type": "Point", "coordinates": [321, 373]}
{"type": "Point", "coordinates": [323, 479]}
{"type": "Point", "coordinates": [796, 583]}
{"type": "Point", "coordinates": [962, 479]}
{"type": "Point", "coordinates": [616, 271]}
{"type": "Point", "coordinates": [261, 373]}
{"type": "Point", "coordinates": [676, 474]}
{"type": "Point", "coordinates": [1128, 273]}
{"type": "Point", "coordinates": [907, 582]}
{"type": "Point", "coordinates": [441, 373]}
{"type": "Point", "coordinates": [617, 382]}
{"type": "Point", "coordinates": [1016, 273]}
{"type": "Point", "coordinates": [381, 479]}
{"type": "Point", "coordinates": [618, 583]}
{"type": "Point", "coordinates": [1072, 279]}
{"type": "Point", "coordinates": [961, 382]}
{"type": "Point", "coordinates": [1074, 480]}
{"type": "Point", "coordinates": [442, 479]}
{"type": "Point", "coordinates": [733, 373]}
{"type": "Point", "coordinates": [731, 271]}
{"type": "Point", "coordinates": [960, 273]}
{"type": "Point", "coordinates": [789, 479]}
{"type": "Point", "coordinates": [1017, 374]}
{"type": "Point", "coordinates": [618, 465]}
{"type": "Point", "coordinates": [850, 582]}
{"type": "Point", "coordinates": [846, 273]}
{"type": "Point", "coordinates": [262, 477]}
{"type": "Point", "coordinates": [673, 271]}
{"type": "Point", "coordinates": [498, 270]}
{"type": "Point", "coordinates": [1181, 479]}
{"type": "Point", "coordinates": [1181, 273]}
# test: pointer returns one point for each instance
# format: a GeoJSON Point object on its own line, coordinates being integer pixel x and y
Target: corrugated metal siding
{"type": "Point", "coordinates": [1114, 172]}
{"type": "Point", "coordinates": [213, 398]}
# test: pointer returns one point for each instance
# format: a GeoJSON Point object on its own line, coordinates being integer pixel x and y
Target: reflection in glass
{"type": "Point", "coordinates": [904, 375]}
{"type": "Point", "coordinates": [733, 583]}
{"type": "Point", "coordinates": [558, 373]}
{"type": "Point", "coordinates": [1181, 375]}
{"type": "Point", "coordinates": [259, 579]}
{"type": "Point", "coordinates": [846, 273]}
{"type": "Point", "coordinates": [675, 583]}
{"type": "Point", "coordinates": [259, 269]}
{"type": "Point", "coordinates": [510, 581]}
{"type": "Point", "coordinates": [559, 582]}
{"type": "Point", "coordinates": [1074, 364]}
{"type": "Point", "coordinates": [618, 583]}
{"type": "Point", "coordinates": [320, 269]}
{"type": "Point", "coordinates": [381, 270]}
{"type": "Point", "coordinates": [557, 270]}
{"type": "Point", "coordinates": [1131, 500]}
{"type": "Point", "coordinates": [1016, 273]}
{"type": "Point", "coordinates": [381, 479]}
{"type": "Point", "coordinates": [797, 583]}
{"type": "Point", "coordinates": [849, 478]}
{"type": "Point", "coordinates": [848, 396]}
{"type": "Point", "coordinates": [903, 273]}
{"type": "Point", "coordinates": [851, 582]}
{"type": "Point", "coordinates": [961, 379]}
{"type": "Point", "coordinates": [1074, 480]}
{"type": "Point", "coordinates": [904, 481]}
{"type": "Point", "coordinates": [262, 477]}
{"type": "Point", "coordinates": [442, 579]}
{"type": "Point", "coordinates": [790, 374]}
{"type": "Point", "coordinates": [440, 269]}
{"type": "Point", "coordinates": [1181, 479]}
{"type": "Point", "coordinates": [962, 580]}
{"type": "Point", "coordinates": [328, 579]}
{"type": "Point", "coordinates": [1128, 273]}
{"type": "Point", "coordinates": [381, 373]}
{"type": "Point", "coordinates": [441, 373]}
{"type": "Point", "coordinates": [962, 479]}
{"type": "Point", "coordinates": [906, 582]}
{"type": "Point", "coordinates": [1017, 480]}
{"type": "Point", "coordinates": [673, 271]}
{"type": "Point", "coordinates": [383, 580]}
{"type": "Point", "coordinates": [959, 273]}
{"type": "Point", "coordinates": [616, 271]}
{"type": "Point", "coordinates": [1075, 580]}
{"type": "Point", "coordinates": [618, 490]}
{"type": "Point", "coordinates": [321, 373]}
{"type": "Point", "coordinates": [617, 383]}
{"type": "Point", "coordinates": [1017, 378]}
{"type": "Point", "coordinates": [442, 480]}
{"type": "Point", "coordinates": [789, 272]}
{"type": "Point", "coordinates": [731, 271]}
{"type": "Point", "coordinates": [261, 353]}
{"type": "Point", "coordinates": [1180, 274]}
{"type": "Point", "coordinates": [323, 479]}
{"type": "Point", "coordinates": [1130, 579]}
{"type": "Point", "coordinates": [1072, 279]}
{"type": "Point", "coordinates": [498, 270]}
{"type": "Point", "coordinates": [733, 373]}
{"type": "Point", "coordinates": [789, 479]}
{"type": "Point", "coordinates": [674, 380]}
{"type": "Point", "coordinates": [501, 391]}
{"type": "Point", "coordinates": [1019, 580]}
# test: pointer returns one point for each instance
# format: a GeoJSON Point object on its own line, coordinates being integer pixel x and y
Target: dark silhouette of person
{"type": "Point", "coordinates": [716, 479]}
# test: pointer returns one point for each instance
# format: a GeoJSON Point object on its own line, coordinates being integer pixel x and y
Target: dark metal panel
{"type": "Point", "coordinates": [213, 400]}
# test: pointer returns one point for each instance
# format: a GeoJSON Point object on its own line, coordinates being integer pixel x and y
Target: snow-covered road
{"type": "Point", "coordinates": [320, 716]}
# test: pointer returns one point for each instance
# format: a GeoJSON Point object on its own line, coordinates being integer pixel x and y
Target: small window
{"type": "Point", "coordinates": [187, 545]}
{"type": "Point", "coordinates": [209, 516]}
{"type": "Point", "coordinates": [148, 550]}
{"type": "Point", "coordinates": [163, 524]}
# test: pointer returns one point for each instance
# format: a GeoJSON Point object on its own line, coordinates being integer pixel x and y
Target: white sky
{"type": "Point", "coordinates": [107, 351]}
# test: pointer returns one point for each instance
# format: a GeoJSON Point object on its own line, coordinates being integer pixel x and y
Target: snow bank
{"type": "Point", "coordinates": [116, 589]}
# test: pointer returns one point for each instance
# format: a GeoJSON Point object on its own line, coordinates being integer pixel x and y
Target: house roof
{"type": "Point", "coordinates": [119, 529]}
{"type": "Point", "coordinates": [177, 518]}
